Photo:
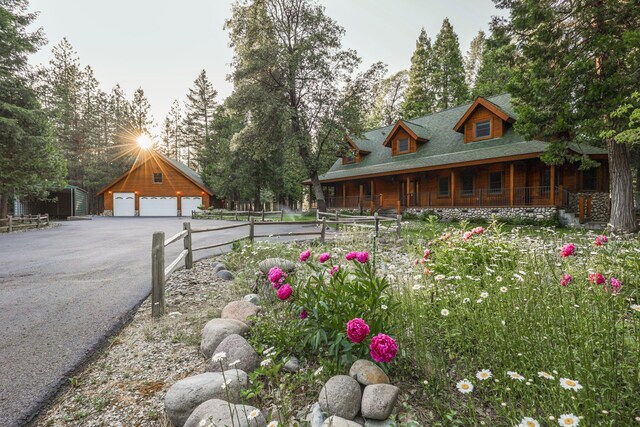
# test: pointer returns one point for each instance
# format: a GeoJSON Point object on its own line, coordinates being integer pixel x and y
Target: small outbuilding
{"type": "Point", "coordinates": [156, 185]}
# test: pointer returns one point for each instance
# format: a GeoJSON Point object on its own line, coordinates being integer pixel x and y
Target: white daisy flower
{"type": "Point", "coordinates": [568, 420]}
{"type": "Point", "coordinates": [253, 414]}
{"type": "Point", "coordinates": [219, 356]}
{"type": "Point", "coordinates": [464, 386]}
{"type": "Point", "coordinates": [417, 287]}
{"type": "Point", "coordinates": [515, 376]}
{"type": "Point", "coordinates": [479, 300]}
{"type": "Point", "coordinates": [568, 384]}
{"type": "Point", "coordinates": [234, 363]}
{"type": "Point", "coordinates": [225, 384]}
{"type": "Point", "coordinates": [318, 371]}
{"type": "Point", "coordinates": [466, 301]}
{"type": "Point", "coordinates": [273, 424]}
{"type": "Point", "coordinates": [546, 375]}
{"type": "Point", "coordinates": [266, 362]}
{"type": "Point", "coordinates": [483, 374]}
{"type": "Point", "coordinates": [499, 278]}
{"type": "Point", "coordinates": [269, 350]}
{"type": "Point", "coordinates": [439, 277]}
{"type": "Point", "coordinates": [503, 289]}
{"type": "Point", "coordinates": [484, 294]}
{"type": "Point", "coordinates": [444, 312]}
{"type": "Point", "coordinates": [529, 422]}
{"type": "Point", "coordinates": [635, 307]}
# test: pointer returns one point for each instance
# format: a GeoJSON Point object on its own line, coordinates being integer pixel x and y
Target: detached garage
{"type": "Point", "coordinates": [156, 186]}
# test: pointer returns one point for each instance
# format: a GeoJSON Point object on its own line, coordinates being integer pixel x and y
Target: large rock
{"type": "Point", "coordinates": [292, 365]}
{"type": "Point", "coordinates": [367, 373]}
{"type": "Point", "coordinates": [218, 413]}
{"type": "Point", "coordinates": [185, 395]}
{"type": "Point", "coordinates": [284, 265]}
{"type": "Point", "coordinates": [315, 418]}
{"type": "Point", "coordinates": [219, 267]}
{"type": "Point", "coordinates": [334, 421]}
{"type": "Point", "coordinates": [218, 329]}
{"type": "Point", "coordinates": [252, 298]}
{"type": "Point", "coordinates": [341, 396]}
{"type": "Point", "coordinates": [240, 310]}
{"type": "Point", "coordinates": [377, 423]}
{"type": "Point", "coordinates": [225, 275]}
{"type": "Point", "coordinates": [378, 401]}
{"type": "Point", "coordinates": [236, 348]}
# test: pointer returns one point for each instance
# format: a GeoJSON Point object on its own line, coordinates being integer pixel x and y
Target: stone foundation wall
{"type": "Point", "coordinates": [107, 212]}
{"type": "Point", "coordinates": [528, 213]}
{"type": "Point", "coordinates": [600, 205]}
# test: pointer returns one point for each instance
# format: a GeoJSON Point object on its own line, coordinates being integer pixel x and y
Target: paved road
{"type": "Point", "coordinates": [64, 289]}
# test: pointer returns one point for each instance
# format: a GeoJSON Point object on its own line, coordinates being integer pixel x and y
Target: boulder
{"type": "Point", "coordinates": [292, 365]}
{"type": "Point", "coordinates": [367, 373]}
{"type": "Point", "coordinates": [252, 298]}
{"type": "Point", "coordinates": [341, 396]}
{"type": "Point", "coordinates": [378, 401]}
{"type": "Point", "coordinates": [240, 310]}
{"type": "Point", "coordinates": [218, 329]}
{"type": "Point", "coordinates": [219, 267]}
{"type": "Point", "coordinates": [284, 265]}
{"type": "Point", "coordinates": [224, 275]}
{"type": "Point", "coordinates": [334, 421]}
{"type": "Point", "coordinates": [315, 418]}
{"type": "Point", "coordinates": [214, 264]}
{"type": "Point", "coordinates": [218, 413]}
{"type": "Point", "coordinates": [185, 395]}
{"type": "Point", "coordinates": [377, 423]}
{"type": "Point", "coordinates": [236, 348]}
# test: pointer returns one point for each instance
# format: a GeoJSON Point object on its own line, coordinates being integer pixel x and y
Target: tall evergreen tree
{"type": "Point", "coordinates": [473, 60]}
{"type": "Point", "coordinates": [200, 106]}
{"type": "Point", "coordinates": [580, 65]}
{"type": "Point", "coordinates": [389, 96]}
{"type": "Point", "coordinates": [448, 78]}
{"type": "Point", "coordinates": [140, 113]}
{"type": "Point", "coordinates": [499, 60]}
{"type": "Point", "coordinates": [420, 96]}
{"type": "Point", "coordinates": [30, 163]}
{"type": "Point", "coordinates": [172, 135]}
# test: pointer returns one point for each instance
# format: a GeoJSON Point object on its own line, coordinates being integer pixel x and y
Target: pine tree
{"type": "Point", "coordinates": [30, 163]}
{"type": "Point", "coordinates": [200, 106]}
{"type": "Point", "coordinates": [389, 97]}
{"type": "Point", "coordinates": [579, 65]}
{"type": "Point", "coordinates": [499, 60]}
{"type": "Point", "coordinates": [140, 113]}
{"type": "Point", "coordinates": [448, 78]}
{"type": "Point", "coordinates": [172, 135]}
{"type": "Point", "coordinates": [473, 60]}
{"type": "Point", "coordinates": [420, 97]}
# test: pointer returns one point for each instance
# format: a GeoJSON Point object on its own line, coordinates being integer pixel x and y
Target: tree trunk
{"type": "Point", "coordinates": [621, 187]}
{"type": "Point", "coordinates": [317, 192]}
{"type": "Point", "coordinates": [4, 205]}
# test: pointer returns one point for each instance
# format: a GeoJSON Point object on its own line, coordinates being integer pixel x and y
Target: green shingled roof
{"type": "Point", "coordinates": [186, 170]}
{"type": "Point", "coordinates": [445, 146]}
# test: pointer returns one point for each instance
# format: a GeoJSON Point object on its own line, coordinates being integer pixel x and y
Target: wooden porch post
{"type": "Point", "coordinates": [552, 190]}
{"type": "Point", "coordinates": [453, 188]}
{"type": "Point", "coordinates": [373, 198]}
{"type": "Point", "coordinates": [512, 189]}
{"type": "Point", "coordinates": [361, 197]}
{"type": "Point", "coordinates": [344, 195]}
{"type": "Point", "coordinates": [408, 202]}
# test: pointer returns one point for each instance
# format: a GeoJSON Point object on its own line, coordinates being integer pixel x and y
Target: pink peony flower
{"type": "Point", "coordinates": [303, 314]}
{"type": "Point", "coordinates": [567, 250]}
{"type": "Point", "coordinates": [596, 278]}
{"type": "Point", "coordinates": [478, 230]}
{"type": "Point", "coordinates": [383, 348]}
{"type": "Point", "coordinates": [284, 292]}
{"type": "Point", "coordinates": [351, 256]}
{"type": "Point", "coordinates": [304, 255]}
{"type": "Point", "coordinates": [323, 257]}
{"type": "Point", "coordinates": [467, 235]}
{"type": "Point", "coordinates": [427, 252]}
{"type": "Point", "coordinates": [566, 279]}
{"type": "Point", "coordinates": [600, 240]}
{"type": "Point", "coordinates": [275, 275]}
{"type": "Point", "coordinates": [362, 257]}
{"type": "Point", "coordinates": [357, 330]}
{"type": "Point", "coordinates": [334, 269]}
{"type": "Point", "coordinates": [615, 285]}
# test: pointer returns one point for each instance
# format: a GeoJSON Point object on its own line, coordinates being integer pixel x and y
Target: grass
{"type": "Point", "coordinates": [491, 302]}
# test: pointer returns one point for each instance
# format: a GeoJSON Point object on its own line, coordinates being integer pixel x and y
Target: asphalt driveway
{"type": "Point", "coordinates": [64, 289]}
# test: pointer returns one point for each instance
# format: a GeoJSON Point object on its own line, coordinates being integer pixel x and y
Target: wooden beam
{"type": "Point", "coordinates": [552, 190]}
{"type": "Point", "coordinates": [408, 199]}
{"type": "Point", "coordinates": [344, 194]}
{"type": "Point", "coordinates": [511, 183]}
{"type": "Point", "coordinates": [453, 187]}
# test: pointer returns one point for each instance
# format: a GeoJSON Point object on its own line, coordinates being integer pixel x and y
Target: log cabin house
{"type": "Point", "coordinates": [461, 159]}
{"type": "Point", "coordinates": [156, 185]}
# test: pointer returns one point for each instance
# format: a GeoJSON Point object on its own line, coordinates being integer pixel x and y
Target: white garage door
{"type": "Point", "coordinates": [158, 206]}
{"type": "Point", "coordinates": [124, 204]}
{"type": "Point", "coordinates": [190, 204]}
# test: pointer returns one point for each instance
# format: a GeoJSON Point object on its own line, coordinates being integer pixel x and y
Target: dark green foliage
{"type": "Point", "coordinates": [420, 98]}
{"type": "Point", "coordinates": [448, 76]}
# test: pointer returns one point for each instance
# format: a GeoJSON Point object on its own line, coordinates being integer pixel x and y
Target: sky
{"type": "Point", "coordinates": [162, 45]}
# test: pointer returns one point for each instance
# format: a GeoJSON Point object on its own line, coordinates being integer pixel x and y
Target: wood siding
{"type": "Point", "coordinates": [400, 134]}
{"type": "Point", "coordinates": [479, 115]}
{"type": "Point", "coordinates": [140, 182]}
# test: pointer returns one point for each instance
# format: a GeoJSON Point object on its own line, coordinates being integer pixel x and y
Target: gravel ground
{"type": "Point", "coordinates": [126, 384]}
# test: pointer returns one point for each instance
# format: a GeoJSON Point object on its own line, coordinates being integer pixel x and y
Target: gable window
{"type": "Point", "coordinates": [482, 129]}
{"type": "Point", "coordinates": [403, 145]}
{"type": "Point", "coordinates": [350, 157]}
{"type": "Point", "coordinates": [443, 186]}
{"type": "Point", "coordinates": [495, 183]}
{"type": "Point", "coordinates": [467, 183]}
{"type": "Point", "coordinates": [590, 180]}
{"type": "Point", "coordinates": [157, 178]}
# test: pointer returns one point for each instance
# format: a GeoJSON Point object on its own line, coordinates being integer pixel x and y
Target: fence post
{"type": "Point", "coordinates": [47, 218]}
{"type": "Point", "coordinates": [398, 208]}
{"type": "Point", "coordinates": [188, 260]}
{"type": "Point", "coordinates": [38, 221]}
{"type": "Point", "coordinates": [157, 274]}
{"type": "Point", "coordinates": [337, 221]}
{"type": "Point", "coordinates": [10, 224]}
{"type": "Point", "coordinates": [282, 215]}
{"type": "Point", "coordinates": [375, 217]}
{"type": "Point", "coordinates": [251, 229]}
{"type": "Point", "coordinates": [399, 227]}
{"type": "Point", "coordinates": [262, 214]}
{"type": "Point", "coordinates": [323, 229]}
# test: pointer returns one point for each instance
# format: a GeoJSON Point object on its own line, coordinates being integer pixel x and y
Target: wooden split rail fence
{"type": "Point", "coordinates": [235, 215]}
{"type": "Point", "coordinates": [13, 223]}
{"type": "Point", "coordinates": [160, 272]}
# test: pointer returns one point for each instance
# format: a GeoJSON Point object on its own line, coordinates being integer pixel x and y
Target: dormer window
{"type": "Point", "coordinates": [350, 157]}
{"type": "Point", "coordinates": [405, 138]}
{"type": "Point", "coordinates": [482, 129]}
{"type": "Point", "coordinates": [403, 145]}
